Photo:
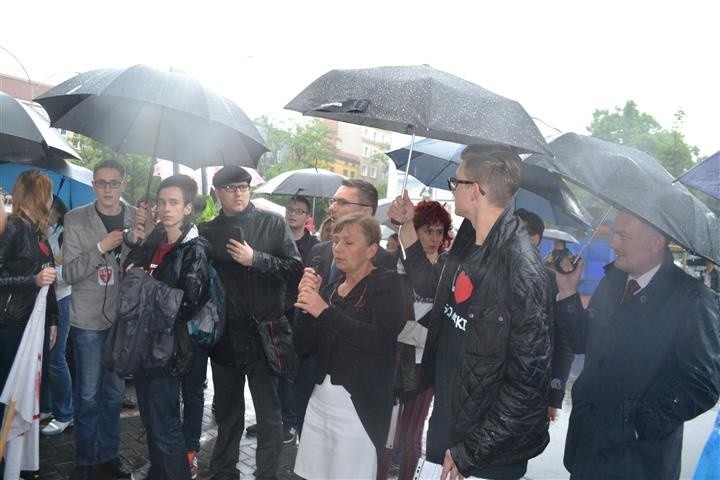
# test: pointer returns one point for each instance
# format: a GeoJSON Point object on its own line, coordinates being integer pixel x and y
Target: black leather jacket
{"type": "Point", "coordinates": [256, 326]}
{"type": "Point", "coordinates": [21, 258]}
{"type": "Point", "coordinates": [498, 397]}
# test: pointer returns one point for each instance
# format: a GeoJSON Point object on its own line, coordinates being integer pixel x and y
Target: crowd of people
{"type": "Point", "coordinates": [345, 345]}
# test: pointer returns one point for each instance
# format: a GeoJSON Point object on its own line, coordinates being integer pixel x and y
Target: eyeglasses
{"type": "Point", "coordinates": [343, 203]}
{"type": "Point", "coordinates": [294, 211]}
{"type": "Point", "coordinates": [243, 187]}
{"type": "Point", "coordinates": [102, 184]}
{"type": "Point", "coordinates": [453, 183]}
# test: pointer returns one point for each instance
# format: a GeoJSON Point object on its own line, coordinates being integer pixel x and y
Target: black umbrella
{"type": "Point", "coordinates": [26, 136]}
{"type": "Point", "coordinates": [634, 181]}
{"type": "Point", "coordinates": [542, 192]}
{"type": "Point", "coordinates": [420, 100]}
{"type": "Point", "coordinates": [310, 182]}
{"type": "Point", "coordinates": [161, 114]}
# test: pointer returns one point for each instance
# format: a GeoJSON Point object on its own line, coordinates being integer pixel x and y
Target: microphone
{"type": "Point", "coordinates": [315, 265]}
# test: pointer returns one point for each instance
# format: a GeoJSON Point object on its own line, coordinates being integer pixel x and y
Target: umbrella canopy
{"type": "Point", "coordinates": [310, 182]}
{"type": "Point", "coordinates": [634, 181]}
{"type": "Point", "coordinates": [705, 176]}
{"type": "Point", "coordinates": [26, 135]}
{"type": "Point", "coordinates": [555, 234]}
{"type": "Point", "coordinates": [72, 183]}
{"type": "Point", "coordinates": [420, 100]}
{"type": "Point", "coordinates": [161, 114]}
{"type": "Point", "coordinates": [542, 192]}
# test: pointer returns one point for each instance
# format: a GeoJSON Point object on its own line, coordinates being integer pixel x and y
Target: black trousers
{"type": "Point", "coordinates": [229, 383]}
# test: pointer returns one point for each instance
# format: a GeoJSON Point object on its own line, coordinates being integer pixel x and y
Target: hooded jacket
{"type": "Point", "coordinates": [498, 395]}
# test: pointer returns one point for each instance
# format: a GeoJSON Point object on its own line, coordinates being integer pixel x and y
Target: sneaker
{"type": "Point", "coordinates": [115, 469]}
{"type": "Point", "coordinates": [45, 416]}
{"type": "Point", "coordinates": [289, 435]}
{"type": "Point", "coordinates": [251, 431]}
{"type": "Point", "coordinates": [193, 461]}
{"type": "Point", "coordinates": [30, 475]}
{"type": "Point", "coordinates": [81, 472]}
{"type": "Point", "coordinates": [56, 427]}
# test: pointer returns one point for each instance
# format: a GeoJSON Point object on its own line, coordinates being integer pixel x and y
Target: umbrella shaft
{"type": "Point", "coordinates": [592, 237]}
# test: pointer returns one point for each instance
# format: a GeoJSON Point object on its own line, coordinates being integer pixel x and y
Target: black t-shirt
{"type": "Point", "coordinates": [113, 222]}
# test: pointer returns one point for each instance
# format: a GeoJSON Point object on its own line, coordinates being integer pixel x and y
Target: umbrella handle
{"type": "Point", "coordinates": [577, 258]}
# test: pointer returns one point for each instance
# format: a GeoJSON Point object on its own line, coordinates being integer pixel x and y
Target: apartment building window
{"type": "Point", "coordinates": [345, 172]}
{"type": "Point", "coordinates": [366, 151]}
{"type": "Point", "coordinates": [373, 172]}
{"type": "Point", "coordinates": [363, 170]}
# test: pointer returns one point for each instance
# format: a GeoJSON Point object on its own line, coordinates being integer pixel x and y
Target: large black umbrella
{"type": "Point", "coordinates": [542, 192]}
{"type": "Point", "coordinates": [161, 114]}
{"type": "Point", "coordinates": [705, 176]}
{"type": "Point", "coordinates": [310, 182]}
{"type": "Point", "coordinates": [634, 181]}
{"type": "Point", "coordinates": [420, 100]}
{"type": "Point", "coordinates": [26, 136]}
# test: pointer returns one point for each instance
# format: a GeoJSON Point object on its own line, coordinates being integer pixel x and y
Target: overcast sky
{"type": "Point", "coordinates": [560, 59]}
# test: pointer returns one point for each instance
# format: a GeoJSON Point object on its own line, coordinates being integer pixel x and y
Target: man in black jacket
{"type": "Point", "coordinates": [652, 359]}
{"type": "Point", "coordinates": [256, 257]}
{"type": "Point", "coordinates": [489, 346]}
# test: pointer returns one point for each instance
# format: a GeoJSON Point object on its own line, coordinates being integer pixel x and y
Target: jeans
{"type": "Point", "coordinates": [303, 387]}
{"type": "Point", "coordinates": [229, 402]}
{"type": "Point", "coordinates": [193, 393]}
{"type": "Point", "coordinates": [159, 404]}
{"type": "Point", "coordinates": [56, 392]}
{"type": "Point", "coordinates": [98, 400]}
{"type": "Point", "coordinates": [287, 400]}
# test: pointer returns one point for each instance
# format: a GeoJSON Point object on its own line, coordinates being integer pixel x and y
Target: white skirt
{"type": "Point", "coordinates": [334, 444]}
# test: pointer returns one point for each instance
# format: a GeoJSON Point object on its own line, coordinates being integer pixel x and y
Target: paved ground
{"type": "Point", "coordinates": [57, 453]}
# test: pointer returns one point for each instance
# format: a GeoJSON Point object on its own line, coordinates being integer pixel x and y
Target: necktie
{"type": "Point", "coordinates": [630, 289]}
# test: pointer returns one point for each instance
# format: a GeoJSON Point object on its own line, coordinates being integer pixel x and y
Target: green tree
{"type": "Point", "coordinates": [629, 126]}
{"type": "Point", "coordinates": [137, 167]}
{"type": "Point", "coordinates": [299, 146]}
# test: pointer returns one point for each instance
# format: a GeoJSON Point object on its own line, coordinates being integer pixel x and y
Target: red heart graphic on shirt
{"type": "Point", "coordinates": [463, 287]}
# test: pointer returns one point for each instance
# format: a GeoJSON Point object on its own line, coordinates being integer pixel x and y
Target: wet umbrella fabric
{"type": "Point", "coordinates": [542, 192]}
{"type": "Point", "coordinates": [555, 234]}
{"type": "Point", "coordinates": [634, 181]}
{"type": "Point", "coordinates": [25, 135]}
{"type": "Point", "coordinates": [705, 176]}
{"type": "Point", "coordinates": [160, 114]}
{"type": "Point", "coordinates": [423, 101]}
{"type": "Point", "coordinates": [310, 182]}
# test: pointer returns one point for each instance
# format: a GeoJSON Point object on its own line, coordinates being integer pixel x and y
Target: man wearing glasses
{"type": "Point", "coordinates": [256, 257]}
{"type": "Point", "coordinates": [488, 347]}
{"type": "Point", "coordinates": [93, 253]}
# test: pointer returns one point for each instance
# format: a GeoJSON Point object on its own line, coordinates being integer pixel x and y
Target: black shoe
{"type": "Point", "coordinates": [30, 475]}
{"type": "Point", "coordinates": [115, 469]}
{"type": "Point", "coordinates": [81, 472]}
{"type": "Point", "coordinates": [251, 431]}
{"type": "Point", "coordinates": [289, 435]}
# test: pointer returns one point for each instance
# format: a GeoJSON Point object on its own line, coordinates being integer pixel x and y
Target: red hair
{"type": "Point", "coordinates": [429, 212]}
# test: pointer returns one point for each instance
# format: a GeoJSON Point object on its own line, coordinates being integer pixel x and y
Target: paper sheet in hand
{"type": "Point", "coordinates": [431, 471]}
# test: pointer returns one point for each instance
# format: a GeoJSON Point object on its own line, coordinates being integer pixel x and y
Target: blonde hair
{"type": "Point", "coordinates": [31, 196]}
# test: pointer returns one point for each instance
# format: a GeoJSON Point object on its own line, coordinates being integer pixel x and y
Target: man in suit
{"type": "Point", "coordinates": [652, 358]}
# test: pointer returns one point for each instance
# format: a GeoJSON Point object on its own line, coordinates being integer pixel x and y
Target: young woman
{"type": "Point", "coordinates": [26, 265]}
{"type": "Point", "coordinates": [175, 254]}
{"type": "Point", "coordinates": [353, 326]}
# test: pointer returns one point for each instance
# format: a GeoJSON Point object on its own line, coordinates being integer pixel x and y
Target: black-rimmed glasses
{"type": "Point", "coordinates": [342, 202]}
{"type": "Point", "coordinates": [453, 183]}
{"type": "Point", "coordinates": [232, 188]}
{"type": "Point", "coordinates": [102, 184]}
{"type": "Point", "coordinates": [295, 211]}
